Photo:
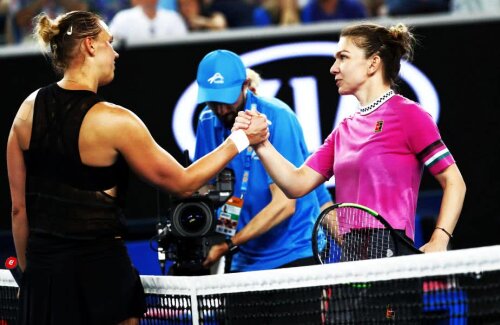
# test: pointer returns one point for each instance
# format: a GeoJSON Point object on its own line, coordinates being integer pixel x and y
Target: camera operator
{"type": "Point", "coordinates": [272, 230]}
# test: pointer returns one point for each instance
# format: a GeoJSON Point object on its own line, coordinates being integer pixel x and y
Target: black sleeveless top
{"type": "Point", "coordinates": [64, 197]}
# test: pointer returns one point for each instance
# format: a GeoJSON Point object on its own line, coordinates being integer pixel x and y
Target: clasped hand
{"type": "Point", "coordinates": [255, 125]}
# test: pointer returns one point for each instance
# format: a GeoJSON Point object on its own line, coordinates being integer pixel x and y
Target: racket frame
{"type": "Point", "coordinates": [401, 239]}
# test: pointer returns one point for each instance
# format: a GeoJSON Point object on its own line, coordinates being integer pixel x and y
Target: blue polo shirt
{"type": "Point", "coordinates": [291, 239]}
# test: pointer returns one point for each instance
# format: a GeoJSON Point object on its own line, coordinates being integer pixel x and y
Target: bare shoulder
{"type": "Point", "coordinates": [112, 115]}
{"type": "Point", "coordinates": [25, 111]}
{"type": "Point", "coordinates": [23, 121]}
{"type": "Point", "coordinates": [109, 109]}
{"type": "Point", "coordinates": [106, 120]}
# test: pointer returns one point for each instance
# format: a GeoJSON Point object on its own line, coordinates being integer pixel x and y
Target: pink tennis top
{"type": "Point", "coordinates": [377, 156]}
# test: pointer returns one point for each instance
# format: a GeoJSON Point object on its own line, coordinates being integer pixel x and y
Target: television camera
{"type": "Point", "coordinates": [189, 231]}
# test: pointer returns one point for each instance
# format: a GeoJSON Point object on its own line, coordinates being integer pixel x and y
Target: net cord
{"type": "Point", "coordinates": [471, 260]}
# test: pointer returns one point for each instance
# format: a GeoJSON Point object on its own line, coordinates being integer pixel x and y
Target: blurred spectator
{"type": "Point", "coordinates": [168, 4]}
{"type": "Point", "coordinates": [4, 8]}
{"type": "Point", "coordinates": [197, 17]}
{"type": "Point", "coordinates": [328, 10]}
{"type": "Point", "coordinates": [277, 12]}
{"type": "Point", "coordinates": [415, 7]}
{"type": "Point", "coordinates": [107, 9]}
{"type": "Point", "coordinates": [146, 21]}
{"type": "Point", "coordinates": [22, 12]}
{"type": "Point", "coordinates": [302, 3]}
{"type": "Point", "coordinates": [375, 8]}
{"type": "Point", "coordinates": [476, 6]}
{"type": "Point", "coordinates": [238, 13]}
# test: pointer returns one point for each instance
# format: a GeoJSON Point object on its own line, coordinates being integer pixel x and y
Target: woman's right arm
{"type": "Point", "coordinates": [294, 182]}
{"type": "Point", "coordinates": [128, 135]}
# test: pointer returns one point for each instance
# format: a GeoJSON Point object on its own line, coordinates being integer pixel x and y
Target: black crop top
{"type": "Point", "coordinates": [64, 196]}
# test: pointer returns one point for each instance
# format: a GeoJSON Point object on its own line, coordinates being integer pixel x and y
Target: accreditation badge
{"type": "Point", "coordinates": [229, 216]}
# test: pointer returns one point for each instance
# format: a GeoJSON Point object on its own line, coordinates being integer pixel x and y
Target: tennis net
{"type": "Point", "coordinates": [454, 287]}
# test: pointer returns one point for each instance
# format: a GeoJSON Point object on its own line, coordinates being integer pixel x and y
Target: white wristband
{"type": "Point", "coordinates": [240, 140]}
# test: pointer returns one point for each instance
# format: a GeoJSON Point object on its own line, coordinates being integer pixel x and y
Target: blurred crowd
{"type": "Point", "coordinates": [132, 20]}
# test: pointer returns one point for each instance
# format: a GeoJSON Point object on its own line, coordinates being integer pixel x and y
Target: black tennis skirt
{"type": "Point", "coordinates": [70, 281]}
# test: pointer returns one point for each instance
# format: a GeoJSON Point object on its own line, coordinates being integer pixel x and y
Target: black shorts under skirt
{"type": "Point", "coordinates": [79, 282]}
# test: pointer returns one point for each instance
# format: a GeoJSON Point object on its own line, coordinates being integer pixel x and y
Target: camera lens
{"type": "Point", "coordinates": [192, 219]}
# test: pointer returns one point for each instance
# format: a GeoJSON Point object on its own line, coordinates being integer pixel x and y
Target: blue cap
{"type": "Point", "coordinates": [221, 74]}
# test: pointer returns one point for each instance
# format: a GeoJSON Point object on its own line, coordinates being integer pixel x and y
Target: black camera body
{"type": "Point", "coordinates": [190, 226]}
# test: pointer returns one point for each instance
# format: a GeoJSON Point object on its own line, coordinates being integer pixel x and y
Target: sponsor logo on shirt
{"type": "Point", "coordinates": [378, 126]}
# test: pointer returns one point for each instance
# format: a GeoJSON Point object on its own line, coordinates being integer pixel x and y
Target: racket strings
{"type": "Point", "coordinates": [353, 234]}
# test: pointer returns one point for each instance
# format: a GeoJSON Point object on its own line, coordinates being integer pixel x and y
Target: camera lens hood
{"type": "Point", "coordinates": [192, 218]}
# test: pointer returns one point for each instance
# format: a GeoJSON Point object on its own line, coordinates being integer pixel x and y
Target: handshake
{"type": "Point", "coordinates": [255, 126]}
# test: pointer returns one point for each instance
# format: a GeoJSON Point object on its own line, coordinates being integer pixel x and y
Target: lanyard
{"type": "Point", "coordinates": [246, 172]}
{"type": "Point", "coordinates": [248, 161]}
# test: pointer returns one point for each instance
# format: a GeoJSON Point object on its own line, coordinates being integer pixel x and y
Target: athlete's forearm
{"type": "Point", "coordinates": [294, 182]}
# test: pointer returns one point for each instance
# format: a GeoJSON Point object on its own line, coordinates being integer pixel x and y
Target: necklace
{"type": "Point", "coordinates": [364, 110]}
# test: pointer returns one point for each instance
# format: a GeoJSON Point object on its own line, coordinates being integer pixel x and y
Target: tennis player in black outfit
{"type": "Point", "coordinates": [68, 156]}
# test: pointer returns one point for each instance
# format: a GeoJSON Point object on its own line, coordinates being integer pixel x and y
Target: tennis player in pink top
{"type": "Point", "coordinates": [378, 154]}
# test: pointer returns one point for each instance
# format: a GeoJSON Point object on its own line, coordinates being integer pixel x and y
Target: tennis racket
{"type": "Point", "coordinates": [351, 232]}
